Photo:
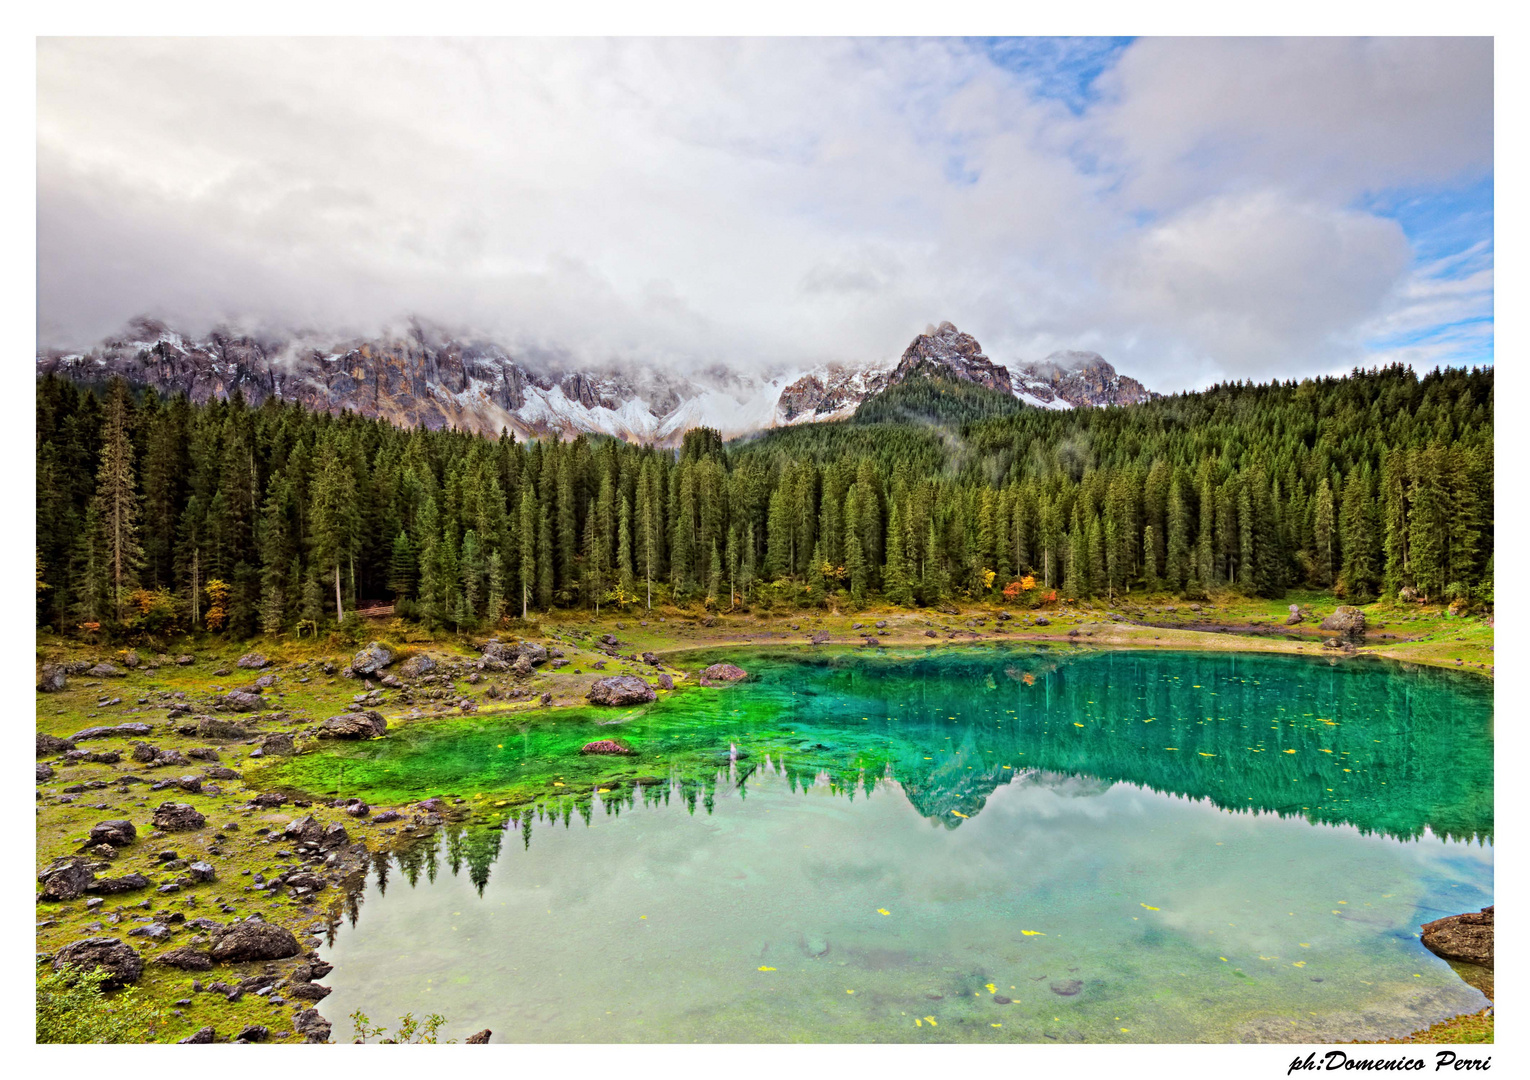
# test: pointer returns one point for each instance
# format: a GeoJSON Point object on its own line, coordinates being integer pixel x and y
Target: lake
{"type": "Point", "coordinates": [985, 844]}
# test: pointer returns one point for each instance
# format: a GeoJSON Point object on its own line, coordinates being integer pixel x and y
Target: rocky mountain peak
{"type": "Point", "coordinates": [945, 350]}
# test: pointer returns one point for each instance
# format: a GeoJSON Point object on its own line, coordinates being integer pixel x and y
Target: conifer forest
{"type": "Point", "coordinates": [158, 514]}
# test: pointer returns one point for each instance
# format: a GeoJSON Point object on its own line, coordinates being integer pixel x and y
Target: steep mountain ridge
{"type": "Point", "coordinates": [425, 378]}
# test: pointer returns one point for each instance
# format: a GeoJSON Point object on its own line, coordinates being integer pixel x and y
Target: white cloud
{"type": "Point", "coordinates": [759, 202]}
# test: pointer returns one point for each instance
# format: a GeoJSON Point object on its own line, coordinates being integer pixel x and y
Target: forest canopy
{"type": "Point", "coordinates": [157, 514]}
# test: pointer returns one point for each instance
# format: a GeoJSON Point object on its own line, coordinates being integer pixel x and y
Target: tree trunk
{"type": "Point", "coordinates": [339, 607]}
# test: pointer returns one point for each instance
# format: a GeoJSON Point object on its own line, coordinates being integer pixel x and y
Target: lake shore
{"type": "Point", "coordinates": [241, 840]}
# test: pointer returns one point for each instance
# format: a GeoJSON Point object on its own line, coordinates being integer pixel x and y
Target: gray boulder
{"type": "Point", "coordinates": [178, 817]}
{"type": "Point", "coordinates": [67, 880]}
{"type": "Point", "coordinates": [211, 727]}
{"type": "Point", "coordinates": [113, 731]}
{"type": "Point", "coordinates": [240, 942]}
{"type": "Point", "coordinates": [52, 744]}
{"type": "Point", "coordinates": [372, 659]}
{"type": "Point", "coordinates": [1295, 616]}
{"type": "Point", "coordinates": [126, 883]}
{"type": "Point", "coordinates": [116, 833]}
{"type": "Point", "coordinates": [820, 637]}
{"type": "Point", "coordinates": [665, 681]}
{"type": "Point", "coordinates": [105, 671]}
{"type": "Point", "coordinates": [242, 701]}
{"type": "Point", "coordinates": [51, 679]}
{"type": "Point", "coordinates": [186, 958]}
{"type": "Point", "coordinates": [365, 724]}
{"type": "Point", "coordinates": [119, 960]}
{"type": "Point", "coordinates": [620, 690]}
{"type": "Point", "coordinates": [252, 660]}
{"type": "Point", "coordinates": [313, 1027]}
{"type": "Point", "coordinates": [44, 771]}
{"type": "Point", "coordinates": [280, 744]}
{"type": "Point", "coordinates": [416, 666]}
{"type": "Point", "coordinates": [1348, 621]}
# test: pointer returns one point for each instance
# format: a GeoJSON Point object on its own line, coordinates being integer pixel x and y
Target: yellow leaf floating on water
{"type": "Point", "coordinates": [1150, 907]}
{"type": "Point", "coordinates": [1288, 751]}
{"type": "Point", "coordinates": [1204, 754]}
{"type": "Point", "coordinates": [1077, 724]}
{"type": "Point", "coordinates": [991, 988]}
{"type": "Point", "coordinates": [1298, 963]}
{"type": "Point", "coordinates": [849, 991]}
{"type": "Point", "coordinates": [883, 911]}
{"type": "Point", "coordinates": [995, 1025]}
{"type": "Point", "coordinates": [1033, 933]}
{"type": "Point", "coordinates": [1223, 959]}
{"type": "Point", "coordinates": [931, 1021]}
{"type": "Point", "coordinates": [958, 813]}
{"type": "Point", "coordinates": [767, 969]}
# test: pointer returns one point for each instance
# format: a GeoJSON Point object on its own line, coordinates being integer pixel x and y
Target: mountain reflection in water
{"type": "Point", "coordinates": [1371, 745]}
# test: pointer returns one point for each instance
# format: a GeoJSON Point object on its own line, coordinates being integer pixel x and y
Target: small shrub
{"type": "Point", "coordinates": [72, 1008]}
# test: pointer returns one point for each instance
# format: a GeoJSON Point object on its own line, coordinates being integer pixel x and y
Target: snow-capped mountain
{"type": "Point", "coordinates": [425, 378]}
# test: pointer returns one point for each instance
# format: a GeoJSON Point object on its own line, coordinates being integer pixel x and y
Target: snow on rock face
{"type": "Point", "coordinates": [423, 378]}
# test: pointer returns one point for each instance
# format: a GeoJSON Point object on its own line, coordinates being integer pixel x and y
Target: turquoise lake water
{"type": "Point", "coordinates": [988, 844]}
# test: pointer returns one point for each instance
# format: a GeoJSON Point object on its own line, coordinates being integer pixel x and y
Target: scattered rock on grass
{"type": "Point", "coordinates": [243, 941]}
{"type": "Point", "coordinates": [178, 817]}
{"type": "Point", "coordinates": [365, 724]}
{"type": "Point", "coordinates": [119, 960]}
{"type": "Point", "coordinates": [620, 690]}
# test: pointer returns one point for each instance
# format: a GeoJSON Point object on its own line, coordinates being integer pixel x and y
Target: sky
{"type": "Point", "coordinates": [1195, 210]}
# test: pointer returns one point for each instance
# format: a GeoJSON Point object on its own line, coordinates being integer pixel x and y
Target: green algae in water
{"type": "Point", "coordinates": [1032, 823]}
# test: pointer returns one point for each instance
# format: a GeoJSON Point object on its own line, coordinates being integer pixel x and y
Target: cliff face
{"type": "Point", "coordinates": [426, 379]}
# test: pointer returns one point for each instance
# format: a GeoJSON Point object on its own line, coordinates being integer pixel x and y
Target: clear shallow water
{"type": "Point", "coordinates": [1126, 827]}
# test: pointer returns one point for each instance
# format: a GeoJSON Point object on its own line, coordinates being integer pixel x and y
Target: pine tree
{"type": "Point", "coordinates": [117, 498]}
{"type": "Point", "coordinates": [1322, 533]}
{"type": "Point", "coordinates": [528, 532]}
{"type": "Point", "coordinates": [494, 605]}
{"type": "Point", "coordinates": [897, 576]}
{"type": "Point", "coordinates": [401, 568]}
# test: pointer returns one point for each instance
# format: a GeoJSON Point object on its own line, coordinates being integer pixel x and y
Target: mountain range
{"type": "Point", "coordinates": [423, 377]}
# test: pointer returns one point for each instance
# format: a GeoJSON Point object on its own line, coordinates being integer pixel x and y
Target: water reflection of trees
{"type": "Point", "coordinates": [1352, 744]}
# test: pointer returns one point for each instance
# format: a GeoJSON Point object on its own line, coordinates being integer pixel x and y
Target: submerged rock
{"type": "Point", "coordinates": [1466, 938]}
{"type": "Point", "coordinates": [605, 746]}
{"type": "Point", "coordinates": [1066, 987]}
{"type": "Point", "coordinates": [722, 674]}
{"type": "Point", "coordinates": [620, 690]}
